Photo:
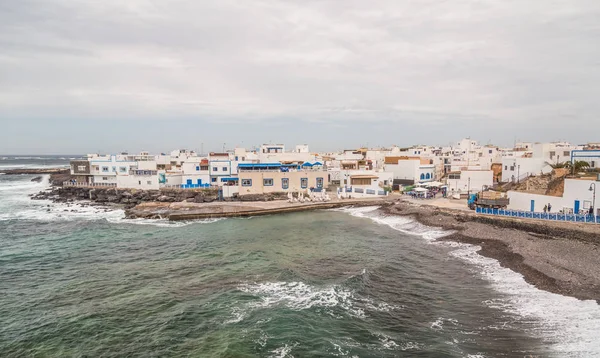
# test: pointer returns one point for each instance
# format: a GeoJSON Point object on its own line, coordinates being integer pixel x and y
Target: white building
{"type": "Point", "coordinates": [275, 153]}
{"type": "Point", "coordinates": [577, 198]}
{"type": "Point", "coordinates": [139, 179]}
{"type": "Point", "coordinates": [195, 172]}
{"type": "Point", "coordinates": [469, 181]}
{"type": "Point", "coordinates": [410, 170]}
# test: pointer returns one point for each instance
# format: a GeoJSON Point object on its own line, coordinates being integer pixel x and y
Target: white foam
{"type": "Point", "coordinates": [401, 223]}
{"type": "Point", "coordinates": [298, 295]}
{"type": "Point", "coordinates": [283, 352]}
{"type": "Point", "coordinates": [569, 325]}
{"type": "Point", "coordinates": [15, 204]}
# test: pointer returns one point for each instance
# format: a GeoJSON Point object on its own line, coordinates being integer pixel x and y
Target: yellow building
{"type": "Point", "coordinates": [276, 177]}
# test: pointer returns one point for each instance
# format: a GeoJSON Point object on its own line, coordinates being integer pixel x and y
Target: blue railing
{"type": "Point", "coordinates": [541, 216]}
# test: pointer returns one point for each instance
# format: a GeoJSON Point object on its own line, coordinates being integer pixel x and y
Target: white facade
{"type": "Point", "coordinates": [275, 153]}
{"type": "Point", "coordinates": [469, 181]}
{"type": "Point", "coordinates": [195, 172]}
{"type": "Point", "coordinates": [105, 169]}
{"type": "Point", "coordinates": [412, 170]}
{"type": "Point", "coordinates": [576, 194]}
{"type": "Point", "coordinates": [518, 168]}
{"type": "Point", "coordinates": [139, 179]}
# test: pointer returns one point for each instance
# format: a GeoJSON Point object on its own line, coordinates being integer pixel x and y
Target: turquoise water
{"type": "Point", "coordinates": [318, 284]}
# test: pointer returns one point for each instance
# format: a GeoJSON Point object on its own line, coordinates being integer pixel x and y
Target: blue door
{"type": "Point", "coordinates": [199, 181]}
{"type": "Point", "coordinates": [576, 207]}
{"type": "Point", "coordinates": [189, 182]}
{"type": "Point", "coordinates": [532, 205]}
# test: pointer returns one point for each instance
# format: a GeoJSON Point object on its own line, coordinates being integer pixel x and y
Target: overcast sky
{"type": "Point", "coordinates": [87, 75]}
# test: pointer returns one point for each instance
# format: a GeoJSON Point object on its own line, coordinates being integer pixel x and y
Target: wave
{"type": "Point", "coordinates": [15, 204]}
{"type": "Point", "coordinates": [302, 296]}
{"type": "Point", "coordinates": [400, 223]}
{"type": "Point", "coordinates": [568, 325]}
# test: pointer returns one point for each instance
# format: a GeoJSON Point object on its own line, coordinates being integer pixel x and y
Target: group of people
{"type": "Point", "coordinates": [431, 193]}
{"type": "Point", "coordinates": [547, 208]}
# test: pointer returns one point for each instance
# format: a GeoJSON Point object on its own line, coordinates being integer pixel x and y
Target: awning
{"type": "Point", "coordinates": [434, 183]}
{"type": "Point", "coordinates": [307, 164]}
{"type": "Point", "coordinates": [363, 176]}
{"type": "Point", "coordinates": [419, 189]}
{"type": "Point", "coordinates": [229, 179]}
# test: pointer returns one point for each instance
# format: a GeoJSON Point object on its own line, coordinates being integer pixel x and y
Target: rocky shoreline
{"type": "Point", "coordinates": [553, 256]}
{"type": "Point", "coordinates": [129, 198]}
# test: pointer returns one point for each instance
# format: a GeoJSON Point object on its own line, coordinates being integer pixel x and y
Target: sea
{"type": "Point", "coordinates": [82, 281]}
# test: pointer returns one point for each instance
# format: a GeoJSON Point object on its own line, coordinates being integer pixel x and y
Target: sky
{"type": "Point", "coordinates": [80, 76]}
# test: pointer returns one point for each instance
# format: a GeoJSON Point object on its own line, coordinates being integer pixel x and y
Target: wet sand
{"type": "Point", "coordinates": [558, 257]}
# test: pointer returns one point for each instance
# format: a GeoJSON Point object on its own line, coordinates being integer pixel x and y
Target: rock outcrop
{"type": "Point", "coordinates": [132, 197]}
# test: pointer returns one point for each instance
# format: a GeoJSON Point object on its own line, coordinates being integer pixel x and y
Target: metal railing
{"type": "Point", "coordinates": [77, 184]}
{"type": "Point", "coordinates": [188, 186]}
{"type": "Point", "coordinates": [580, 218]}
{"type": "Point", "coordinates": [362, 191]}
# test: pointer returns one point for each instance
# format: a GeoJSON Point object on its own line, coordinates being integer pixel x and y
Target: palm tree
{"type": "Point", "coordinates": [559, 165]}
{"type": "Point", "coordinates": [577, 166]}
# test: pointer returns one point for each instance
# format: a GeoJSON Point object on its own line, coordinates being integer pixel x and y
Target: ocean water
{"type": "Point", "coordinates": [35, 161]}
{"type": "Point", "coordinates": [82, 281]}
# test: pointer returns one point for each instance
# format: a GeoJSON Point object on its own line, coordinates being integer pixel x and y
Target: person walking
{"type": "Point", "coordinates": [545, 209]}
{"type": "Point", "coordinates": [549, 207]}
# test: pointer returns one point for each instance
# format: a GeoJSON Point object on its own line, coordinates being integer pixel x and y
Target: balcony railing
{"type": "Point", "coordinates": [77, 184]}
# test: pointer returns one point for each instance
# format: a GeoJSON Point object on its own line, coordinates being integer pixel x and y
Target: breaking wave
{"type": "Point", "coordinates": [568, 325]}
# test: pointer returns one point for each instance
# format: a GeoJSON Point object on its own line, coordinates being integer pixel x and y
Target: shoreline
{"type": "Point", "coordinates": [553, 257]}
{"type": "Point", "coordinates": [182, 211]}
{"type": "Point", "coordinates": [557, 257]}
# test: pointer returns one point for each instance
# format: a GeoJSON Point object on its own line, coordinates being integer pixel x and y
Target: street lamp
{"type": "Point", "coordinates": [469, 186]}
{"type": "Point", "coordinates": [518, 173]}
{"type": "Point", "coordinates": [593, 189]}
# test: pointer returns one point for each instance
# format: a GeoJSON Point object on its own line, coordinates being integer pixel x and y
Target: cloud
{"type": "Point", "coordinates": [510, 64]}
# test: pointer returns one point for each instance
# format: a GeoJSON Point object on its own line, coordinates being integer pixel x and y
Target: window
{"type": "Point", "coordinates": [224, 169]}
{"type": "Point", "coordinates": [204, 167]}
{"type": "Point", "coordinates": [454, 176]}
{"type": "Point", "coordinates": [140, 182]}
{"type": "Point", "coordinates": [427, 176]}
{"type": "Point", "coordinates": [104, 178]}
{"type": "Point", "coordinates": [566, 153]}
{"type": "Point", "coordinates": [490, 151]}
{"type": "Point", "coordinates": [593, 164]}
{"type": "Point", "coordinates": [246, 182]}
{"type": "Point", "coordinates": [114, 169]}
{"type": "Point", "coordinates": [422, 176]}
{"type": "Point", "coordinates": [304, 183]}
{"type": "Point", "coordinates": [236, 158]}
{"type": "Point", "coordinates": [319, 182]}
{"type": "Point", "coordinates": [149, 182]}
{"type": "Point", "coordinates": [214, 180]}
{"type": "Point", "coordinates": [243, 158]}
{"type": "Point", "coordinates": [385, 182]}
{"type": "Point", "coordinates": [215, 169]}
{"type": "Point", "coordinates": [268, 182]}
{"type": "Point", "coordinates": [285, 183]}
{"type": "Point", "coordinates": [81, 168]}
{"type": "Point", "coordinates": [123, 169]}
{"type": "Point", "coordinates": [197, 168]}
{"type": "Point", "coordinates": [552, 154]}
{"type": "Point", "coordinates": [104, 169]}
{"type": "Point", "coordinates": [506, 167]}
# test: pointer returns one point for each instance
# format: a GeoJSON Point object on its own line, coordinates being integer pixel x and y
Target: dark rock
{"type": "Point", "coordinates": [37, 179]}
